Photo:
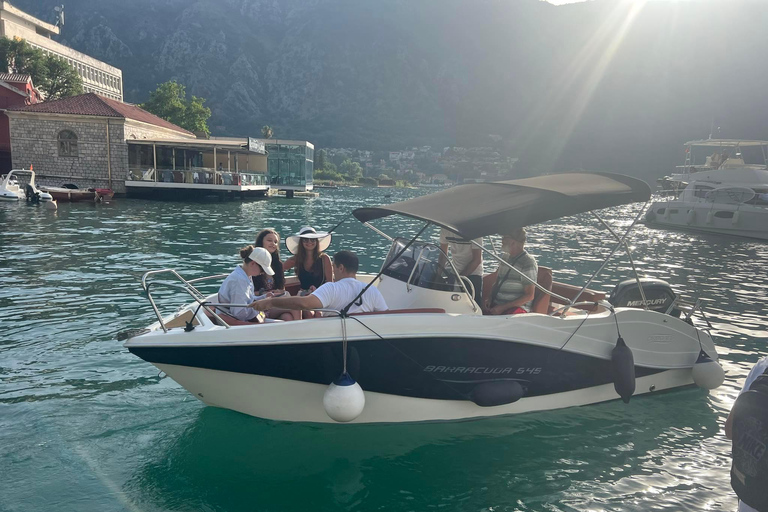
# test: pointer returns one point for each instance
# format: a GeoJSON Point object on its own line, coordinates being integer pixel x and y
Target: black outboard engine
{"type": "Point", "coordinates": [33, 196]}
{"type": "Point", "coordinates": [658, 294]}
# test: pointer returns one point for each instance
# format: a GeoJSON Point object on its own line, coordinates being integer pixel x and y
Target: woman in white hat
{"type": "Point", "coordinates": [237, 288]}
{"type": "Point", "coordinates": [313, 266]}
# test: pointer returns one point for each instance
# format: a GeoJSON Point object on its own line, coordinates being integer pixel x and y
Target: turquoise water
{"type": "Point", "coordinates": [85, 426]}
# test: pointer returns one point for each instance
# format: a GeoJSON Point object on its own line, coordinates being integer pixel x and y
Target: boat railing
{"type": "Point", "coordinates": [186, 286]}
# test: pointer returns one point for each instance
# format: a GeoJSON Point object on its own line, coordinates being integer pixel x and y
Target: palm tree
{"type": "Point", "coordinates": [266, 131]}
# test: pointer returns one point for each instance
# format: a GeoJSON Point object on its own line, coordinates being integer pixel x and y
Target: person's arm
{"type": "Point", "coordinates": [307, 302]}
{"type": "Point", "coordinates": [327, 268]}
{"type": "Point", "coordinates": [477, 257]}
{"type": "Point", "coordinates": [289, 264]}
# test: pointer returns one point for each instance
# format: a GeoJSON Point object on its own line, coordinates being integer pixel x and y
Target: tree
{"type": "Point", "coordinates": [53, 76]}
{"type": "Point", "coordinates": [63, 80]}
{"type": "Point", "coordinates": [169, 101]}
{"type": "Point", "coordinates": [320, 159]}
{"type": "Point", "coordinates": [266, 131]}
{"type": "Point", "coordinates": [351, 169]}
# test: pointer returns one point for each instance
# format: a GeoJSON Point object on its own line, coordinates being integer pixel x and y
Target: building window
{"type": "Point", "coordinates": [67, 143]}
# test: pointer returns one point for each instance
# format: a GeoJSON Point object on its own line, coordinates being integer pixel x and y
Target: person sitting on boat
{"type": "Point", "coordinates": [336, 295]}
{"type": "Point", "coordinates": [510, 293]}
{"type": "Point", "coordinates": [313, 266]}
{"type": "Point", "coordinates": [274, 284]}
{"type": "Point", "coordinates": [466, 257]}
{"type": "Point", "coordinates": [237, 288]}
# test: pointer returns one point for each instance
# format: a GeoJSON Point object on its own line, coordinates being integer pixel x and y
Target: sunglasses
{"type": "Point", "coordinates": [309, 240]}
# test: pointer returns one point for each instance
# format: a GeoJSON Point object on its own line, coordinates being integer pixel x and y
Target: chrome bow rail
{"type": "Point", "coordinates": [187, 286]}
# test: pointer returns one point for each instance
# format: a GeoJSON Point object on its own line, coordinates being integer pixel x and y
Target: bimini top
{"type": "Point", "coordinates": [481, 209]}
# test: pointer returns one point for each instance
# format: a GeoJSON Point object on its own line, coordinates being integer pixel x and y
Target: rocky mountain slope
{"type": "Point", "coordinates": [600, 85]}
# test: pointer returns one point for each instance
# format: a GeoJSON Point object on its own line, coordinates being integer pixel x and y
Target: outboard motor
{"type": "Point", "coordinates": [658, 294]}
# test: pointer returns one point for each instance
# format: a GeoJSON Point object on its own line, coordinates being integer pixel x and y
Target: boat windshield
{"type": "Point", "coordinates": [420, 266]}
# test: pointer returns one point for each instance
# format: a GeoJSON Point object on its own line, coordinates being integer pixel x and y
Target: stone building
{"type": "Point", "coordinates": [83, 139]}
{"type": "Point", "coordinates": [98, 76]}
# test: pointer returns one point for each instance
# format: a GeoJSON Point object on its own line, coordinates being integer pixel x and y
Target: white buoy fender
{"type": "Point", "coordinates": [706, 373]}
{"type": "Point", "coordinates": [735, 218]}
{"type": "Point", "coordinates": [51, 205]}
{"type": "Point", "coordinates": [710, 216]}
{"type": "Point", "coordinates": [691, 218]}
{"type": "Point", "coordinates": [344, 399]}
{"type": "Point", "coordinates": [623, 367]}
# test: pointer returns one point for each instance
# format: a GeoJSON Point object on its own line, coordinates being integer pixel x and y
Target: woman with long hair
{"type": "Point", "coordinates": [313, 266]}
{"type": "Point", "coordinates": [273, 285]}
{"type": "Point", "coordinates": [237, 288]}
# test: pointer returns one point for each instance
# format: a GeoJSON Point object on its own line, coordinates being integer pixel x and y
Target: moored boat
{"type": "Point", "coordinates": [11, 190]}
{"type": "Point", "coordinates": [72, 193]}
{"type": "Point", "coordinates": [434, 355]}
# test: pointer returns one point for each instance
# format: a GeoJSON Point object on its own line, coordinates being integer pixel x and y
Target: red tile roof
{"type": "Point", "coordinates": [91, 104]}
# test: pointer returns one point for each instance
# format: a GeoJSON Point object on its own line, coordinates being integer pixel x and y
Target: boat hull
{"type": "Point", "coordinates": [424, 367]}
{"type": "Point", "coordinates": [289, 400]}
{"type": "Point", "coordinates": [76, 195]}
{"type": "Point", "coordinates": [750, 222]}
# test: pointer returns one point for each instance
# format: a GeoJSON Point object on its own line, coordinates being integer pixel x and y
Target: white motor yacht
{"type": "Point", "coordinates": [433, 355]}
{"type": "Point", "coordinates": [724, 194]}
{"type": "Point", "coordinates": [10, 190]}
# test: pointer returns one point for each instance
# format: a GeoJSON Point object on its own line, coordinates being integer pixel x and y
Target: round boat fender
{"type": "Point", "coordinates": [498, 392]}
{"type": "Point", "coordinates": [749, 469]}
{"type": "Point", "coordinates": [623, 367]}
{"type": "Point", "coordinates": [735, 218]}
{"type": "Point", "coordinates": [707, 373]}
{"type": "Point", "coordinates": [710, 216]}
{"type": "Point", "coordinates": [344, 400]}
{"type": "Point", "coordinates": [691, 218]}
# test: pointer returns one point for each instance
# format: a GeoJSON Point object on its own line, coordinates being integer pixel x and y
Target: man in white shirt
{"type": "Point", "coordinates": [336, 295]}
{"type": "Point", "coordinates": [466, 257]}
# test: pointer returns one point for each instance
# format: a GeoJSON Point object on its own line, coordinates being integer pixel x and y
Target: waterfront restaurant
{"type": "Point", "coordinates": [227, 168]}
{"type": "Point", "coordinates": [290, 164]}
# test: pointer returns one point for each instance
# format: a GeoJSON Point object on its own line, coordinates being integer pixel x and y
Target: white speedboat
{"type": "Point", "coordinates": [10, 190]}
{"type": "Point", "coordinates": [724, 195]}
{"type": "Point", "coordinates": [433, 355]}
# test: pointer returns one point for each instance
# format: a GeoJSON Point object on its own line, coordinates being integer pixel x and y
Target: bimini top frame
{"type": "Point", "coordinates": [477, 210]}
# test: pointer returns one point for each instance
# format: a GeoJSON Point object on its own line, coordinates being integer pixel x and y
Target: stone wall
{"type": "Point", "coordinates": [34, 141]}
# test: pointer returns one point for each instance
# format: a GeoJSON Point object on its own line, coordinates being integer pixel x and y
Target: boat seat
{"type": "Point", "coordinates": [540, 299]}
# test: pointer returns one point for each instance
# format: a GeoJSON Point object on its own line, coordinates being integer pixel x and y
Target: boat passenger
{"type": "Point", "coordinates": [510, 293]}
{"type": "Point", "coordinates": [274, 284]}
{"type": "Point", "coordinates": [237, 288]}
{"type": "Point", "coordinates": [336, 295]}
{"type": "Point", "coordinates": [313, 266]}
{"type": "Point", "coordinates": [466, 257]}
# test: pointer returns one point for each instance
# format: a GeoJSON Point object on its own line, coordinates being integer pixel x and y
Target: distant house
{"type": "Point", "coordinates": [15, 90]}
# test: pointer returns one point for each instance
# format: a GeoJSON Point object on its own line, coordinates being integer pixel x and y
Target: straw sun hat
{"type": "Point", "coordinates": [323, 239]}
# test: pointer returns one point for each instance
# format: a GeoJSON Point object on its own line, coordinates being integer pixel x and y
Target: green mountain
{"type": "Point", "coordinates": [604, 85]}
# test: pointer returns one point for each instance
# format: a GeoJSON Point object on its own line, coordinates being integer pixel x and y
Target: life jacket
{"type": "Point", "coordinates": [749, 470]}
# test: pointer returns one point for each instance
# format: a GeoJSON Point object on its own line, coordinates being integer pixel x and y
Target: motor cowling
{"type": "Point", "coordinates": [658, 294]}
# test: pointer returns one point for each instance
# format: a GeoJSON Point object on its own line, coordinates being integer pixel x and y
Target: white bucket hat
{"type": "Point", "coordinates": [323, 239]}
{"type": "Point", "coordinates": [261, 256]}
